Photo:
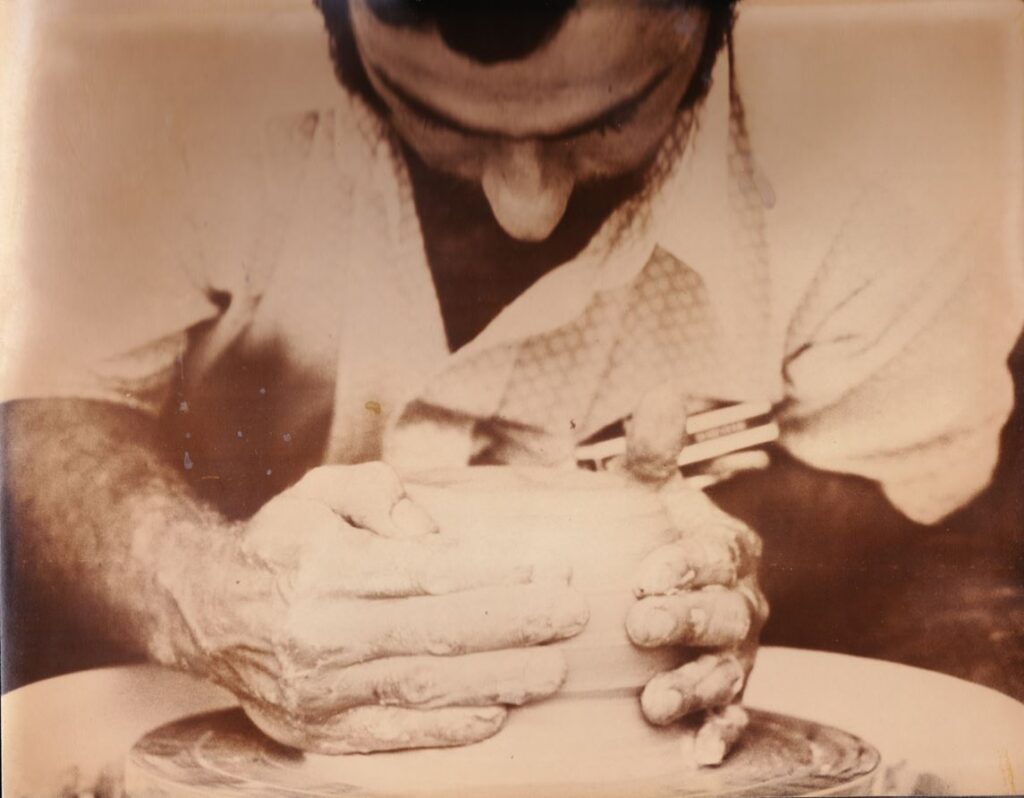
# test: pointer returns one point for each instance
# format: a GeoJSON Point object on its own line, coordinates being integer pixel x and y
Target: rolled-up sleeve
{"type": "Point", "coordinates": [897, 365]}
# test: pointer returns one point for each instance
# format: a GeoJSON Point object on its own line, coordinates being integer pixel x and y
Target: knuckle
{"type": "Point", "coordinates": [750, 542]}
{"type": "Point", "coordinates": [320, 472]}
{"type": "Point", "coordinates": [317, 481]}
{"type": "Point", "coordinates": [719, 557]}
{"type": "Point", "coordinates": [417, 686]}
{"type": "Point", "coordinates": [290, 695]}
{"type": "Point", "coordinates": [446, 647]}
{"type": "Point", "coordinates": [291, 683]}
{"type": "Point", "coordinates": [740, 544]}
{"type": "Point", "coordinates": [250, 674]}
{"type": "Point", "coordinates": [277, 725]}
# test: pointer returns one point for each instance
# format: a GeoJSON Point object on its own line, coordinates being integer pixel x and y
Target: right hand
{"type": "Point", "coordinates": [699, 592]}
{"type": "Point", "coordinates": [344, 623]}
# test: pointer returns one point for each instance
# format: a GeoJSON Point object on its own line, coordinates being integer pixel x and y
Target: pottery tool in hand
{"type": "Point", "coordinates": [728, 433]}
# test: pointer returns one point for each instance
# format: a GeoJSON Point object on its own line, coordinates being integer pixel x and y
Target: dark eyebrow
{"type": "Point", "coordinates": [607, 117]}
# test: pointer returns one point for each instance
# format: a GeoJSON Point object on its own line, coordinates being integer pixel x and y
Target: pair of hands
{"type": "Point", "coordinates": [345, 624]}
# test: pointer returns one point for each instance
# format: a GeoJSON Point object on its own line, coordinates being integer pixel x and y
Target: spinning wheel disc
{"type": "Point", "coordinates": [559, 748]}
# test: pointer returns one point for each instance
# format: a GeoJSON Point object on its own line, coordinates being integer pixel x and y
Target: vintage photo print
{"type": "Point", "coordinates": [512, 397]}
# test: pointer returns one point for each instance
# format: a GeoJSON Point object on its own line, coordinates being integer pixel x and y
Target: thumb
{"type": "Point", "coordinates": [406, 519]}
{"type": "Point", "coordinates": [656, 433]}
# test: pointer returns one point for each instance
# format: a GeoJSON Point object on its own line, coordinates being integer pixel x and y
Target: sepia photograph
{"type": "Point", "coordinates": [545, 398]}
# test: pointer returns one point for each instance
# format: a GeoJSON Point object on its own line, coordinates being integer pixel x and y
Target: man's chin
{"type": "Point", "coordinates": [590, 205]}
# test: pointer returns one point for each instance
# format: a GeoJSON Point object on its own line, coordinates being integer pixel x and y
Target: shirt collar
{"type": "Point", "coordinates": [687, 215]}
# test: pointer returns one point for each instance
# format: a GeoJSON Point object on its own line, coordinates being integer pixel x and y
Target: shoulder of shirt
{"type": "Point", "coordinates": [852, 165]}
{"type": "Point", "coordinates": [353, 134]}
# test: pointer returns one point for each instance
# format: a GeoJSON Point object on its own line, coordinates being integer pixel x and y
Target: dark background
{"type": "Point", "coordinates": [845, 573]}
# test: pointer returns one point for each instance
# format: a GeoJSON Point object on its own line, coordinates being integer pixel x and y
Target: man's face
{"type": "Point", "coordinates": [594, 102]}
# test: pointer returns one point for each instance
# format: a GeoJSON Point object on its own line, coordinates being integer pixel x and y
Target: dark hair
{"type": "Point", "coordinates": [490, 31]}
{"type": "Point", "coordinates": [487, 31]}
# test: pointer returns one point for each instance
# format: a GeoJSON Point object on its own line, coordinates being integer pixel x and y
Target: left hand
{"type": "Point", "coordinates": [700, 591]}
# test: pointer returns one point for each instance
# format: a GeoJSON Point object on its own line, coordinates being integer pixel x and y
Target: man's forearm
{"type": "Point", "coordinates": [94, 512]}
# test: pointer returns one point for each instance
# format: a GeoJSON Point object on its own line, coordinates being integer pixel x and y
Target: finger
{"type": "Point", "coordinates": [689, 509]}
{"type": "Point", "coordinates": [710, 681]}
{"type": "Point", "coordinates": [364, 730]}
{"type": "Point", "coordinates": [687, 564]}
{"type": "Point", "coordinates": [408, 519]}
{"type": "Point", "coordinates": [656, 433]}
{"type": "Point", "coordinates": [369, 496]}
{"type": "Point", "coordinates": [488, 619]}
{"type": "Point", "coordinates": [727, 465]}
{"type": "Point", "coordinates": [721, 729]}
{"type": "Point", "coordinates": [361, 563]}
{"type": "Point", "coordinates": [706, 618]}
{"type": "Point", "coordinates": [514, 677]}
{"type": "Point", "coordinates": [693, 512]}
{"type": "Point", "coordinates": [696, 516]}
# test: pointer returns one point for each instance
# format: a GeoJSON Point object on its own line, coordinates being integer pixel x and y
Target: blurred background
{"type": "Point", "coordinates": [103, 100]}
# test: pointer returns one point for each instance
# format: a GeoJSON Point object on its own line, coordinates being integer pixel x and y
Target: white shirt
{"type": "Point", "coordinates": [875, 316]}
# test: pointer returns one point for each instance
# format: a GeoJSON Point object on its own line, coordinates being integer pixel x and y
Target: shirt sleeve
{"type": "Point", "coordinates": [115, 268]}
{"type": "Point", "coordinates": [108, 325]}
{"type": "Point", "coordinates": [897, 365]}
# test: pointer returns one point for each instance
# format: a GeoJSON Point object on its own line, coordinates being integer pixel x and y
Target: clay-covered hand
{"type": "Point", "coordinates": [344, 623]}
{"type": "Point", "coordinates": [699, 591]}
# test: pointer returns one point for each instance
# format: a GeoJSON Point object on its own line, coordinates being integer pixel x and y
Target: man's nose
{"type": "Point", "coordinates": [527, 189]}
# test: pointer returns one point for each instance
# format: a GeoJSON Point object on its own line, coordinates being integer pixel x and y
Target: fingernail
{"type": "Point", "coordinates": [660, 705]}
{"type": "Point", "coordinates": [719, 733]}
{"type": "Point", "coordinates": [739, 679]}
{"type": "Point", "coordinates": [709, 748]}
{"type": "Point", "coordinates": [656, 579]}
{"type": "Point", "coordinates": [490, 715]}
{"type": "Point", "coordinates": [481, 724]}
{"type": "Point", "coordinates": [548, 671]}
{"type": "Point", "coordinates": [412, 519]}
{"type": "Point", "coordinates": [570, 613]}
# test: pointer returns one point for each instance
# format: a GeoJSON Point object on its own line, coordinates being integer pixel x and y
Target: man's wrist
{"type": "Point", "coordinates": [173, 548]}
